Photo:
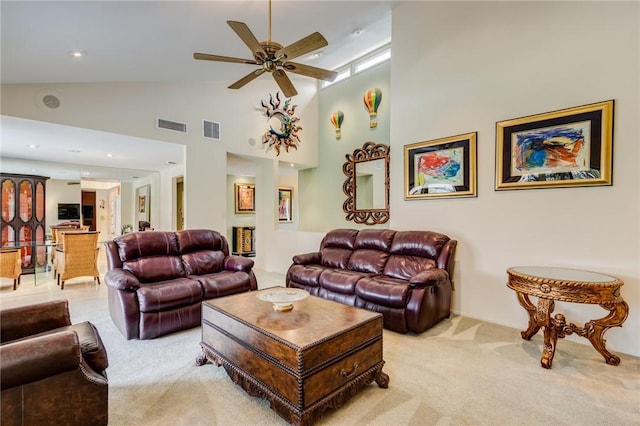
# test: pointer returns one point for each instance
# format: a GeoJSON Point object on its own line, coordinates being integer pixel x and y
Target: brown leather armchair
{"type": "Point", "coordinates": [52, 371]}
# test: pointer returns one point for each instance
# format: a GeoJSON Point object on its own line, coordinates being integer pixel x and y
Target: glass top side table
{"type": "Point", "coordinates": [551, 284]}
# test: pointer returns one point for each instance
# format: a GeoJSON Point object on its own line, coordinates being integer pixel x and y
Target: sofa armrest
{"type": "Point", "coordinates": [29, 360]}
{"type": "Point", "coordinates": [122, 280]}
{"type": "Point", "coordinates": [307, 258]}
{"type": "Point", "coordinates": [428, 278]}
{"type": "Point", "coordinates": [16, 323]}
{"type": "Point", "coordinates": [238, 263]}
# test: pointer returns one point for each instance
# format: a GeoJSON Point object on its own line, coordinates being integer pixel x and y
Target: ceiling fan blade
{"type": "Point", "coordinates": [247, 78]}
{"type": "Point", "coordinates": [207, 57]}
{"type": "Point", "coordinates": [304, 45]}
{"type": "Point", "coordinates": [285, 84]}
{"type": "Point", "coordinates": [248, 38]}
{"type": "Point", "coordinates": [309, 71]}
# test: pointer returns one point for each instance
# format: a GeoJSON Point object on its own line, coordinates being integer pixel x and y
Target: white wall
{"type": "Point", "coordinates": [132, 109]}
{"type": "Point", "coordinates": [167, 192]}
{"type": "Point", "coordinates": [57, 191]}
{"type": "Point", "coordinates": [102, 213]}
{"type": "Point", "coordinates": [459, 67]}
{"type": "Point", "coordinates": [320, 193]}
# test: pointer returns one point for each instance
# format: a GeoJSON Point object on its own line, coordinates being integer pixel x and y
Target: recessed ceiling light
{"type": "Point", "coordinates": [78, 53]}
{"type": "Point", "coordinates": [292, 165]}
{"type": "Point", "coordinates": [32, 146]}
{"type": "Point", "coordinates": [109, 155]}
{"type": "Point", "coordinates": [316, 55]}
{"type": "Point", "coordinates": [85, 173]}
{"type": "Point", "coordinates": [357, 31]}
{"type": "Point", "coordinates": [73, 150]}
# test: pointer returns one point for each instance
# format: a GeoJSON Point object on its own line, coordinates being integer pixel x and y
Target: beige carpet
{"type": "Point", "coordinates": [462, 372]}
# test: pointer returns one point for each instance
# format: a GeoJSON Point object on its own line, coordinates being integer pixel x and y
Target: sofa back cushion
{"type": "Point", "coordinates": [150, 256]}
{"type": "Point", "coordinates": [371, 250]}
{"type": "Point", "coordinates": [412, 252]}
{"type": "Point", "coordinates": [336, 248]}
{"type": "Point", "coordinates": [203, 251]}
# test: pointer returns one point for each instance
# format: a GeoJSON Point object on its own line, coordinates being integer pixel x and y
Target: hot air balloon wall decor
{"type": "Point", "coordinates": [336, 119]}
{"type": "Point", "coordinates": [287, 135]}
{"type": "Point", "coordinates": [372, 99]}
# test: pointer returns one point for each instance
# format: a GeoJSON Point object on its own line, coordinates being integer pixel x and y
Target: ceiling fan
{"type": "Point", "coordinates": [272, 57]}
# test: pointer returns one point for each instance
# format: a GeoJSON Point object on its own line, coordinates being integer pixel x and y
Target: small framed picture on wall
{"type": "Point", "coordinates": [285, 204]}
{"type": "Point", "coordinates": [245, 198]}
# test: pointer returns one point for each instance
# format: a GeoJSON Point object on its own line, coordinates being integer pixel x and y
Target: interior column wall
{"type": "Point", "coordinates": [483, 62]}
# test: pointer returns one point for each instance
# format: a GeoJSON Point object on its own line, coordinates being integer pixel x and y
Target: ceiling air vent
{"type": "Point", "coordinates": [172, 125]}
{"type": "Point", "coordinates": [211, 129]}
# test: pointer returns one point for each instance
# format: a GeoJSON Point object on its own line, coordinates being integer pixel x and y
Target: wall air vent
{"type": "Point", "coordinates": [211, 129]}
{"type": "Point", "coordinates": [172, 125]}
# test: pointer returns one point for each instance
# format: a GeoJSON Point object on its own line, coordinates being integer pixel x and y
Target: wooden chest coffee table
{"type": "Point", "coordinates": [303, 361]}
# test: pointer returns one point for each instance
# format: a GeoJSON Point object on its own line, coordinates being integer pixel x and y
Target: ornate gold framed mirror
{"type": "Point", "coordinates": [367, 184]}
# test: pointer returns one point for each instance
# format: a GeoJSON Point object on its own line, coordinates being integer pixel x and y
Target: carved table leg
{"type": "Point", "coordinates": [594, 330]}
{"type": "Point", "coordinates": [201, 359]}
{"type": "Point", "coordinates": [534, 326]}
{"type": "Point", "coordinates": [382, 379]}
{"type": "Point", "coordinates": [543, 318]}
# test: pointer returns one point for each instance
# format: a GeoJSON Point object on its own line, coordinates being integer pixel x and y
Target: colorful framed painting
{"type": "Point", "coordinates": [569, 147]}
{"type": "Point", "coordinates": [285, 204]}
{"type": "Point", "coordinates": [441, 168]}
{"type": "Point", "coordinates": [245, 196]}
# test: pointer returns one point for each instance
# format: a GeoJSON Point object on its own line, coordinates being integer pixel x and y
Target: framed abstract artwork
{"type": "Point", "coordinates": [441, 168]}
{"type": "Point", "coordinates": [245, 198]}
{"type": "Point", "coordinates": [569, 147]}
{"type": "Point", "coordinates": [285, 204]}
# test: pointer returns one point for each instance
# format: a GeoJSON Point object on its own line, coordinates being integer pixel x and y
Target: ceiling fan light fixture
{"type": "Point", "coordinates": [272, 57]}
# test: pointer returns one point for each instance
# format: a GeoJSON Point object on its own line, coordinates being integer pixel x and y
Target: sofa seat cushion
{"type": "Point", "coordinates": [340, 281]}
{"type": "Point", "coordinates": [223, 283]}
{"type": "Point", "coordinates": [169, 294]}
{"type": "Point", "coordinates": [384, 291]}
{"type": "Point", "coordinates": [308, 275]}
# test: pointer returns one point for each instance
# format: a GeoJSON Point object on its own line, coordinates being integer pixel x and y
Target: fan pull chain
{"type": "Point", "coordinates": [269, 21]}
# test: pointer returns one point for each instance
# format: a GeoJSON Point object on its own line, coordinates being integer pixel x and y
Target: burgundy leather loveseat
{"type": "Point", "coordinates": [404, 275]}
{"type": "Point", "coordinates": [157, 280]}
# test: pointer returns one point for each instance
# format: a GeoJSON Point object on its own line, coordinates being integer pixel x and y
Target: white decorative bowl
{"type": "Point", "coordinates": [282, 298]}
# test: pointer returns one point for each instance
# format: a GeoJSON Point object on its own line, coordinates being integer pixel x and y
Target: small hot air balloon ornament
{"type": "Point", "coordinates": [336, 120]}
{"type": "Point", "coordinates": [372, 101]}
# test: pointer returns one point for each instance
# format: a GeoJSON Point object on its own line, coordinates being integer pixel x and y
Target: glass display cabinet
{"type": "Point", "coordinates": [23, 217]}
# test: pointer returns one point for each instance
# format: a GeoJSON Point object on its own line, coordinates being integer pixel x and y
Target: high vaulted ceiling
{"type": "Point", "coordinates": [129, 41]}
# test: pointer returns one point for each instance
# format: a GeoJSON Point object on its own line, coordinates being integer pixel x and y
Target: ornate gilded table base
{"type": "Point", "coordinates": [600, 289]}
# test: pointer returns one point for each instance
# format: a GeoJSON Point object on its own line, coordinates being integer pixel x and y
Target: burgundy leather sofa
{"type": "Point", "coordinates": [157, 280]}
{"type": "Point", "coordinates": [52, 372]}
{"type": "Point", "coordinates": [404, 275]}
